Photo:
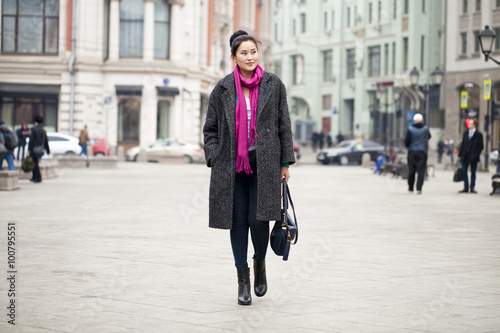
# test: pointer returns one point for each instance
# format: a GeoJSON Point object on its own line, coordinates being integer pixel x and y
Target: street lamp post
{"type": "Point", "coordinates": [378, 96]}
{"type": "Point", "coordinates": [486, 40]}
{"type": "Point", "coordinates": [436, 77]}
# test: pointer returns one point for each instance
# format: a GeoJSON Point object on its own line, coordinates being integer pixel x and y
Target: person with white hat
{"type": "Point", "coordinates": [417, 141]}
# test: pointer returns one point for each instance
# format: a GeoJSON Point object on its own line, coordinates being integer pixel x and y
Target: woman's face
{"type": "Point", "coordinates": [247, 57]}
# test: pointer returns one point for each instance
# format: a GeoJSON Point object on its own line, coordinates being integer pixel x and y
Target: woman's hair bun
{"type": "Point", "coordinates": [235, 35]}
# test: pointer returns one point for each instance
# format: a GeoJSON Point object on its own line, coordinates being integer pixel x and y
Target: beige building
{"type": "Point", "coordinates": [132, 70]}
{"type": "Point", "coordinates": [465, 67]}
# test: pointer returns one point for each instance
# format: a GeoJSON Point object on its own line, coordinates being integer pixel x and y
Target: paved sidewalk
{"type": "Point", "coordinates": [129, 250]}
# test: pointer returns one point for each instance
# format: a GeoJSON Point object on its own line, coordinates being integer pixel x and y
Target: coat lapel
{"type": "Point", "coordinates": [229, 104]}
{"type": "Point", "coordinates": [264, 93]}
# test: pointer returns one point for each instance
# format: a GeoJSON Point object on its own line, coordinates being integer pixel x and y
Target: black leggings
{"type": "Point", "coordinates": [245, 217]}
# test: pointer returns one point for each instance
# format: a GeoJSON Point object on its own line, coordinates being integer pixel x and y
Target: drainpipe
{"type": "Point", "coordinates": [339, 81]}
{"type": "Point", "coordinates": [71, 69]}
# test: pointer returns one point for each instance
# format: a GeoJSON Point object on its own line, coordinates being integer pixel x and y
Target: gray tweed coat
{"type": "Point", "coordinates": [274, 146]}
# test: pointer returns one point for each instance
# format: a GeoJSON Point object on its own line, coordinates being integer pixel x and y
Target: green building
{"type": "Point", "coordinates": [333, 55]}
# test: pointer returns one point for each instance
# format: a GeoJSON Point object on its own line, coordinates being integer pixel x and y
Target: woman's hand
{"type": "Point", "coordinates": [285, 172]}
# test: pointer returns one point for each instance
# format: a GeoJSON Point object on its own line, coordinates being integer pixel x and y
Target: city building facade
{"type": "Point", "coordinates": [334, 55]}
{"type": "Point", "coordinates": [466, 68]}
{"type": "Point", "coordinates": [134, 71]}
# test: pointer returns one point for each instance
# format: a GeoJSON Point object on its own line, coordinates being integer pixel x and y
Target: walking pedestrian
{"type": "Point", "coordinates": [249, 149]}
{"type": "Point", "coordinates": [5, 152]}
{"type": "Point", "coordinates": [450, 149]}
{"type": "Point", "coordinates": [38, 138]}
{"type": "Point", "coordinates": [470, 152]}
{"type": "Point", "coordinates": [315, 139]}
{"type": "Point", "coordinates": [329, 141]}
{"type": "Point", "coordinates": [321, 140]}
{"type": "Point", "coordinates": [340, 138]}
{"type": "Point", "coordinates": [440, 150]}
{"type": "Point", "coordinates": [22, 133]}
{"type": "Point", "coordinates": [417, 142]}
{"type": "Point", "coordinates": [84, 139]}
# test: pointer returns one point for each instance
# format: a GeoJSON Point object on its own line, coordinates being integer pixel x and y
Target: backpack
{"type": "Point", "coordinates": [10, 140]}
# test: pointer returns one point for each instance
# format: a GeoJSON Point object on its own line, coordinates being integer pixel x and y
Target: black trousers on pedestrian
{"type": "Point", "coordinates": [37, 176]}
{"type": "Point", "coordinates": [245, 218]}
{"type": "Point", "coordinates": [417, 163]}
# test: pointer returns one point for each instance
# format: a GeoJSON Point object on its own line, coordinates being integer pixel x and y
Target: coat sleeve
{"type": "Point", "coordinates": [408, 138]}
{"type": "Point", "coordinates": [32, 139]}
{"type": "Point", "coordinates": [285, 129]}
{"type": "Point", "coordinates": [211, 130]}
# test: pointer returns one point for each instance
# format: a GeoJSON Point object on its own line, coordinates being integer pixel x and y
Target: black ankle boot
{"type": "Point", "coordinates": [244, 295]}
{"type": "Point", "coordinates": [260, 283]}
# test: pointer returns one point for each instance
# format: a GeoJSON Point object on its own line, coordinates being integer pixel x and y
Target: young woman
{"type": "Point", "coordinates": [248, 145]}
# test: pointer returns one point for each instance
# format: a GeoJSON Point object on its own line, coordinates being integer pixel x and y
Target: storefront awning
{"type": "Point", "coordinates": [129, 90]}
{"type": "Point", "coordinates": [29, 90]}
{"type": "Point", "coordinates": [167, 91]}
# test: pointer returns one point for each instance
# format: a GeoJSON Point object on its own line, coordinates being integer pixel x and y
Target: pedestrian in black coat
{"type": "Point", "coordinates": [22, 133]}
{"type": "Point", "coordinates": [469, 154]}
{"type": "Point", "coordinates": [38, 138]}
{"type": "Point", "coordinates": [249, 146]}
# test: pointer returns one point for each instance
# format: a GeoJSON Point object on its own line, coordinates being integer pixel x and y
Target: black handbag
{"type": "Point", "coordinates": [285, 231]}
{"type": "Point", "coordinates": [38, 151]}
{"type": "Point", "coordinates": [458, 176]}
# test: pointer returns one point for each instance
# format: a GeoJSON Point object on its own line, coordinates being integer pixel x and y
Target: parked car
{"type": "Point", "coordinates": [351, 151]}
{"type": "Point", "coordinates": [100, 147]}
{"type": "Point", "coordinates": [168, 148]}
{"type": "Point", "coordinates": [59, 144]}
{"type": "Point", "coordinates": [494, 156]}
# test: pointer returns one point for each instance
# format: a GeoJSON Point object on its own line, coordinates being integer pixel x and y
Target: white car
{"type": "Point", "coordinates": [166, 149]}
{"type": "Point", "coordinates": [59, 144]}
{"type": "Point", "coordinates": [494, 156]}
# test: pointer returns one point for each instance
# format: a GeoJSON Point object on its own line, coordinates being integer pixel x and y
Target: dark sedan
{"type": "Point", "coordinates": [351, 151]}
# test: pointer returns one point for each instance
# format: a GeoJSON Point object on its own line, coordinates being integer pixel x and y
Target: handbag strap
{"type": "Point", "coordinates": [287, 197]}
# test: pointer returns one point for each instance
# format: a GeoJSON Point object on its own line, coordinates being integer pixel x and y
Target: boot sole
{"type": "Point", "coordinates": [244, 303]}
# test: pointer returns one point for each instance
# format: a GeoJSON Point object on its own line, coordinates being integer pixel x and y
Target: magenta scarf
{"type": "Point", "coordinates": [242, 140]}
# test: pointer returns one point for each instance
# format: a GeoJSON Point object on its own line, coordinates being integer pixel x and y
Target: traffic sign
{"type": "Point", "coordinates": [464, 99]}
{"type": "Point", "coordinates": [487, 90]}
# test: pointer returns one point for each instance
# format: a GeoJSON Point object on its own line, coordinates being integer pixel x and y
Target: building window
{"type": "Point", "coordinates": [374, 61]}
{"type": "Point", "coordinates": [275, 32]}
{"type": "Point", "coordinates": [325, 18]}
{"type": "Point", "coordinates": [30, 27]}
{"type": "Point", "coordinates": [478, 5]}
{"type": "Point", "coordinates": [333, 17]}
{"type": "Point", "coordinates": [422, 52]}
{"type": "Point", "coordinates": [297, 69]}
{"type": "Point", "coordinates": [327, 65]}
{"type": "Point", "coordinates": [129, 115]}
{"type": "Point", "coordinates": [497, 4]}
{"type": "Point", "coordinates": [405, 54]}
{"type": "Point", "coordinates": [465, 6]}
{"type": "Point", "coordinates": [162, 29]}
{"type": "Point", "coordinates": [15, 111]}
{"type": "Point", "coordinates": [463, 38]}
{"type": "Point", "coordinates": [476, 41]}
{"type": "Point", "coordinates": [351, 62]}
{"type": "Point", "coordinates": [386, 59]}
{"type": "Point", "coordinates": [163, 120]}
{"type": "Point", "coordinates": [394, 9]}
{"type": "Point", "coordinates": [393, 58]}
{"type": "Point", "coordinates": [294, 27]}
{"type": "Point", "coordinates": [303, 22]}
{"type": "Point", "coordinates": [406, 8]}
{"type": "Point", "coordinates": [423, 6]}
{"type": "Point", "coordinates": [131, 28]}
{"type": "Point", "coordinates": [379, 12]}
{"type": "Point", "coordinates": [348, 17]}
{"type": "Point", "coordinates": [277, 68]}
{"type": "Point", "coordinates": [370, 12]}
{"type": "Point", "coordinates": [327, 102]}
